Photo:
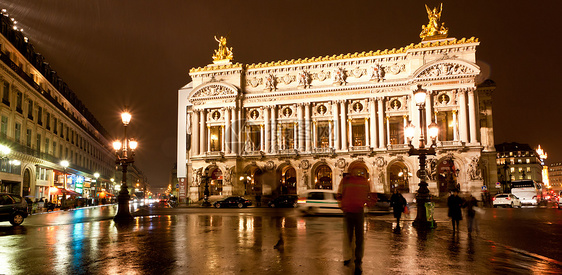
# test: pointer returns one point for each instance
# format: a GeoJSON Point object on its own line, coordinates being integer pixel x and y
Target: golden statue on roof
{"type": "Point", "coordinates": [434, 30]}
{"type": "Point", "coordinates": [223, 54]}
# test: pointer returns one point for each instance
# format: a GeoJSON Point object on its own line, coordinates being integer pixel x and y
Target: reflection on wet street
{"type": "Point", "coordinates": [232, 242]}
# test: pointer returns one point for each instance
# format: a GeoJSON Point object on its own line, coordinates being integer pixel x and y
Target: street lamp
{"type": "Point", "coordinates": [96, 175]}
{"type": "Point", "coordinates": [206, 192]}
{"type": "Point", "coordinates": [422, 196]}
{"type": "Point", "coordinates": [64, 165]}
{"type": "Point", "coordinates": [125, 152]}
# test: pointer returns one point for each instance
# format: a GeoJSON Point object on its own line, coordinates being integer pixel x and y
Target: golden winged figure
{"type": "Point", "coordinates": [223, 52]}
{"type": "Point", "coordinates": [433, 29]}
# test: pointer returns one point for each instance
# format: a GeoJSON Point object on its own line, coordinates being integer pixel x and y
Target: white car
{"type": "Point", "coordinates": [319, 201]}
{"type": "Point", "coordinates": [508, 200]}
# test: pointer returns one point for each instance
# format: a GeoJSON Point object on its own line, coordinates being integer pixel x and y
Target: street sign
{"type": "Point", "coordinates": [177, 185]}
{"type": "Point", "coordinates": [484, 188]}
{"type": "Point", "coordinates": [498, 185]}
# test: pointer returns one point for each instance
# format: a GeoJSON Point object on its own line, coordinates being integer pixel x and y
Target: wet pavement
{"type": "Point", "coordinates": [233, 241]}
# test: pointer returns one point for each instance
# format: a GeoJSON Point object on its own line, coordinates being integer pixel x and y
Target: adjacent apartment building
{"type": "Point", "coordinates": [44, 123]}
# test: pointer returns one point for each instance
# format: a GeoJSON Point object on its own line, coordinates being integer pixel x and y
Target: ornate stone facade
{"type": "Point", "coordinates": [288, 126]}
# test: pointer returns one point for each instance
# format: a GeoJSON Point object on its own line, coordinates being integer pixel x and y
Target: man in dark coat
{"type": "Point", "coordinates": [471, 221]}
{"type": "Point", "coordinates": [455, 203]}
{"type": "Point", "coordinates": [398, 203]}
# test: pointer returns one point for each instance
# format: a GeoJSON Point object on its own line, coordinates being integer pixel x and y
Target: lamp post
{"type": "Point", "coordinates": [64, 165]}
{"type": "Point", "coordinates": [96, 175]}
{"type": "Point", "coordinates": [125, 152]}
{"type": "Point", "coordinates": [206, 192]}
{"type": "Point", "coordinates": [422, 196]}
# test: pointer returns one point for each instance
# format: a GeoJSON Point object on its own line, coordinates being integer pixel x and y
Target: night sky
{"type": "Point", "coordinates": [137, 53]}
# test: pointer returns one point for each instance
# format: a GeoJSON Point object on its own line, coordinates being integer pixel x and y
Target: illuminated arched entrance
{"type": "Point", "coordinates": [360, 169]}
{"type": "Point", "coordinates": [447, 176]}
{"type": "Point", "coordinates": [288, 180]}
{"type": "Point", "coordinates": [253, 181]}
{"type": "Point", "coordinates": [398, 176]}
{"type": "Point", "coordinates": [215, 179]}
{"type": "Point", "coordinates": [323, 177]}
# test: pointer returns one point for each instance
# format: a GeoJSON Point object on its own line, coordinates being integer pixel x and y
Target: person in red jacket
{"type": "Point", "coordinates": [353, 194]}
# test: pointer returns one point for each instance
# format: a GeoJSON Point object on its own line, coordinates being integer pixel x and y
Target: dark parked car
{"type": "Point", "coordinates": [284, 201]}
{"type": "Point", "coordinates": [13, 208]}
{"type": "Point", "coordinates": [233, 202]}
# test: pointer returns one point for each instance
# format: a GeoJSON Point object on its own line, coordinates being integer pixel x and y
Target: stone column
{"type": "Point", "coordinates": [405, 123]}
{"type": "Point", "coordinates": [331, 130]}
{"type": "Point", "coordinates": [350, 132]}
{"type": "Point", "coordinates": [472, 116]}
{"type": "Point", "coordinates": [234, 131]}
{"type": "Point", "coordinates": [274, 134]}
{"type": "Point", "coordinates": [307, 127]}
{"type": "Point", "coordinates": [373, 128]}
{"type": "Point", "coordinates": [223, 139]}
{"type": "Point", "coordinates": [314, 134]}
{"type": "Point", "coordinates": [387, 130]}
{"type": "Point", "coordinates": [367, 133]}
{"type": "Point", "coordinates": [295, 136]}
{"type": "Point", "coordinates": [343, 132]}
{"type": "Point", "coordinates": [300, 129]}
{"type": "Point", "coordinates": [335, 129]}
{"type": "Point", "coordinates": [204, 141]}
{"type": "Point", "coordinates": [462, 116]}
{"type": "Point", "coordinates": [227, 130]}
{"type": "Point", "coordinates": [455, 126]}
{"type": "Point", "coordinates": [195, 133]}
{"type": "Point", "coordinates": [208, 138]}
{"type": "Point", "coordinates": [267, 129]}
{"type": "Point", "coordinates": [381, 122]}
{"type": "Point", "coordinates": [262, 138]}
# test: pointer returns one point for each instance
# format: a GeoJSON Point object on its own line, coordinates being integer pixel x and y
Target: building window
{"type": "Point", "coordinates": [28, 138]}
{"type": "Point", "coordinates": [512, 169]}
{"type": "Point", "coordinates": [30, 109]}
{"type": "Point", "coordinates": [519, 161]}
{"type": "Point", "coordinates": [287, 136]}
{"type": "Point", "coordinates": [358, 132]}
{"type": "Point", "coordinates": [19, 99]}
{"type": "Point", "coordinates": [4, 127]}
{"type": "Point", "coordinates": [47, 120]}
{"type": "Point", "coordinates": [17, 134]}
{"type": "Point", "coordinates": [39, 115]}
{"type": "Point", "coordinates": [54, 148]}
{"type": "Point", "coordinates": [55, 124]}
{"type": "Point", "coordinates": [528, 160]}
{"type": "Point", "coordinates": [38, 144]}
{"type": "Point", "coordinates": [323, 134]}
{"type": "Point", "coordinates": [47, 143]}
{"type": "Point", "coordinates": [446, 125]}
{"type": "Point", "coordinates": [253, 138]}
{"type": "Point", "coordinates": [6, 93]}
{"type": "Point", "coordinates": [396, 125]}
{"type": "Point", "coordinates": [216, 138]}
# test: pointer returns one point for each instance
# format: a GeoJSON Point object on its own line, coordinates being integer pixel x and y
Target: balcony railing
{"type": "Point", "coordinates": [449, 143]}
{"type": "Point", "coordinates": [254, 153]}
{"type": "Point", "coordinates": [398, 147]}
{"type": "Point", "coordinates": [323, 151]}
{"type": "Point", "coordinates": [291, 151]}
{"type": "Point", "coordinates": [359, 148]}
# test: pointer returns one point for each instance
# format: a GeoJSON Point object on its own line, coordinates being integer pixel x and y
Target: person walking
{"type": "Point", "coordinates": [471, 206]}
{"type": "Point", "coordinates": [398, 203]}
{"type": "Point", "coordinates": [353, 194]}
{"type": "Point", "coordinates": [455, 203]}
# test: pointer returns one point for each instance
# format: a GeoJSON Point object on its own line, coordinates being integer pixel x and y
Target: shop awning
{"type": "Point", "coordinates": [59, 191]}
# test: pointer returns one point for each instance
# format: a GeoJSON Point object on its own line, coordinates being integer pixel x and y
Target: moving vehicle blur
{"type": "Point", "coordinates": [319, 201]}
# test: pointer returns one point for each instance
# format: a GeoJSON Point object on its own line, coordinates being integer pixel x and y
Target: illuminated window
{"type": "Point", "coordinates": [528, 160]}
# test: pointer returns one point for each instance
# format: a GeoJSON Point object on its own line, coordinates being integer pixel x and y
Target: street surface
{"type": "Point", "coordinates": [198, 240]}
